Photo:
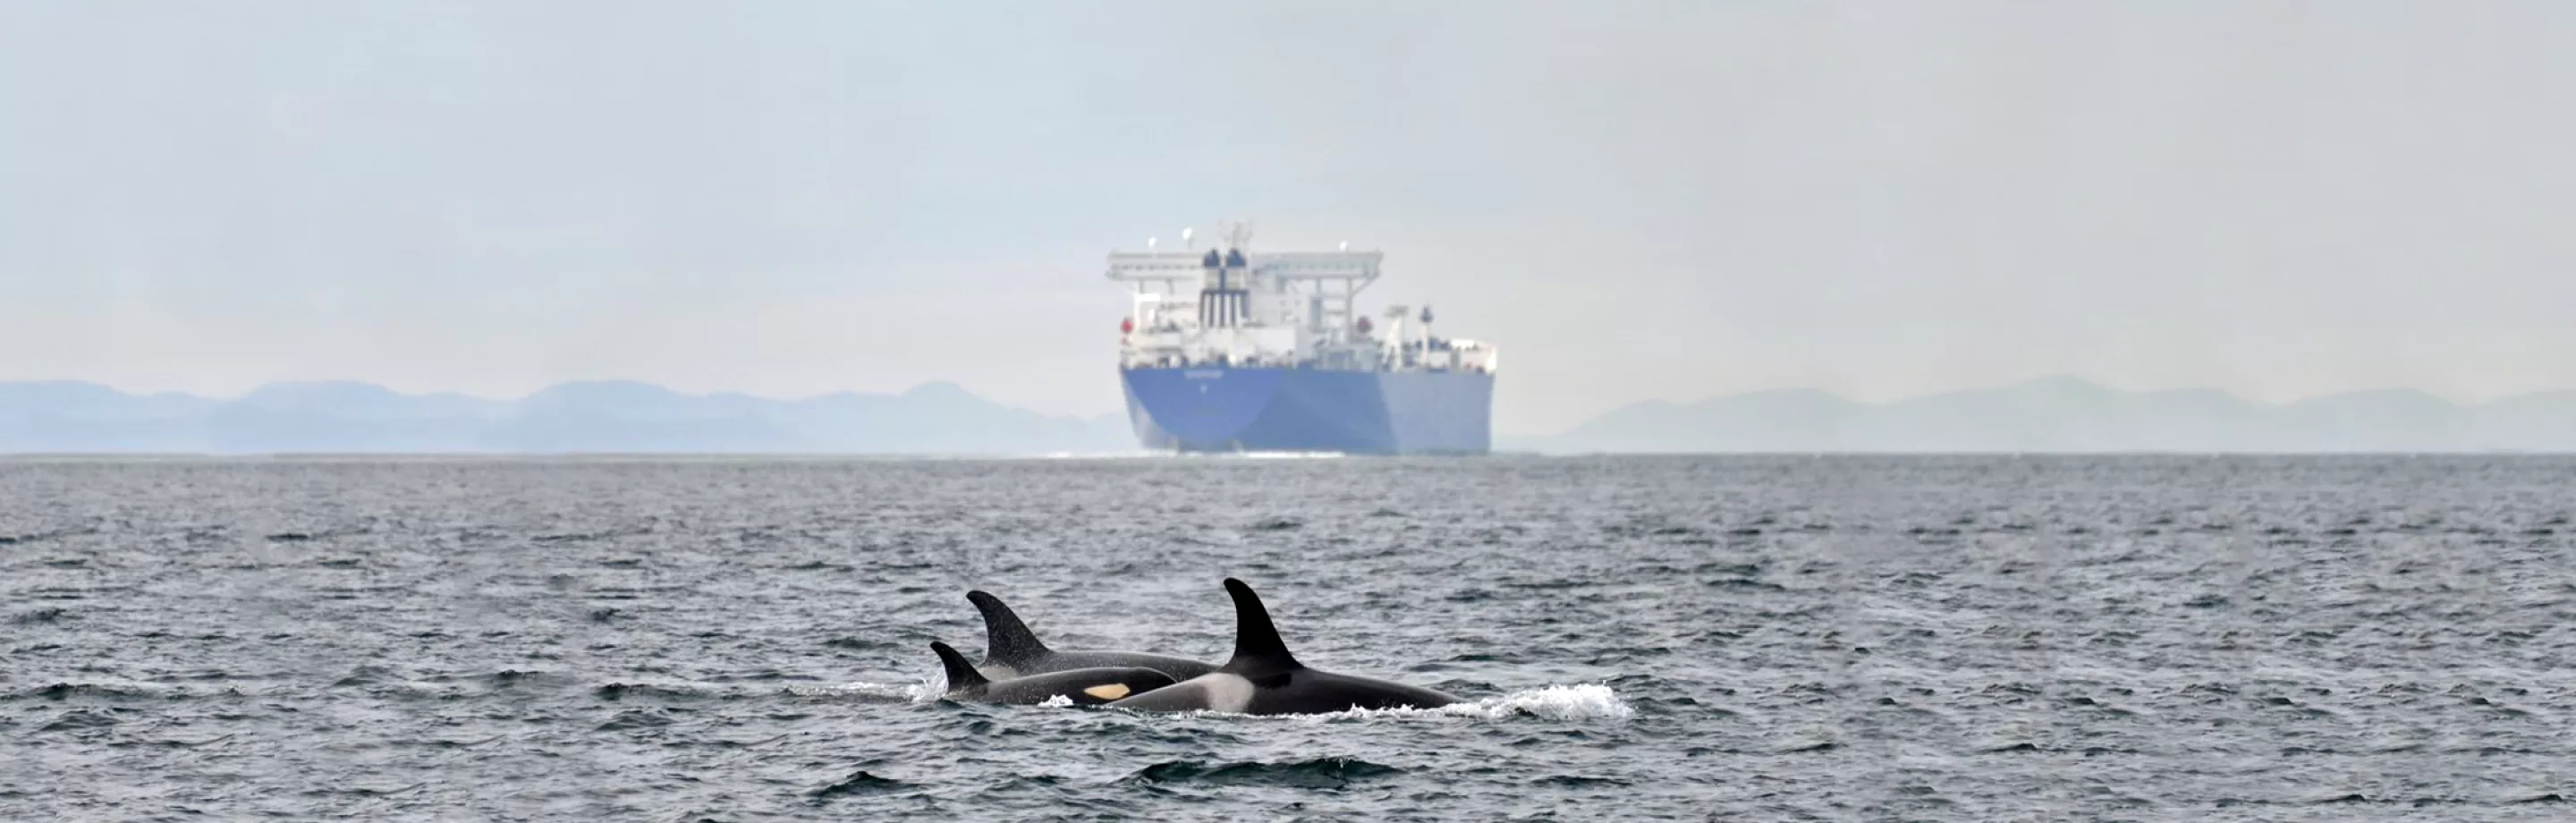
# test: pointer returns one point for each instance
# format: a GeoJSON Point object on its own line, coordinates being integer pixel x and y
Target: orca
{"type": "Point", "coordinates": [1011, 650]}
{"type": "Point", "coordinates": [1262, 678]}
{"type": "Point", "coordinates": [1085, 687]}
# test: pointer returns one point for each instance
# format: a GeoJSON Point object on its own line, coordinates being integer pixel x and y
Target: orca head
{"type": "Point", "coordinates": [1258, 651]}
{"type": "Point", "coordinates": [962, 676]}
{"type": "Point", "coordinates": [1007, 641]}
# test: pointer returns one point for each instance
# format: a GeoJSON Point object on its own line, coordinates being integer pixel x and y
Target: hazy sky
{"type": "Point", "coordinates": [1635, 199]}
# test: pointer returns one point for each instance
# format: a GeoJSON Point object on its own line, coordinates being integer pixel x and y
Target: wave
{"type": "Point", "coordinates": [859, 783]}
{"type": "Point", "coordinates": [658, 691]}
{"type": "Point", "coordinates": [1320, 773]}
{"type": "Point", "coordinates": [78, 720]}
{"type": "Point", "coordinates": [100, 691]}
{"type": "Point", "coordinates": [635, 720]}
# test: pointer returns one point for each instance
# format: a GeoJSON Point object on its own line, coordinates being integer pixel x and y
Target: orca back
{"type": "Point", "coordinates": [1178, 668]}
{"type": "Point", "coordinates": [1085, 687]}
{"type": "Point", "coordinates": [1264, 678]}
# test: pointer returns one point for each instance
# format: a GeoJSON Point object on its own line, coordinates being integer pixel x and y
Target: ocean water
{"type": "Point", "coordinates": [1772, 638]}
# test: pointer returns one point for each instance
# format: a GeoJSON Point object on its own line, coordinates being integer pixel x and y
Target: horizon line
{"type": "Point", "coordinates": [1524, 453]}
{"type": "Point", "coordinates": [2055, 377]}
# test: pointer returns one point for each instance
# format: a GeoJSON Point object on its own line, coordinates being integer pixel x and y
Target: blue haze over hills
{"type": "Point", "coordinates": [585, 417]}
{"type": "Point", "coordinates": [2058, 414]}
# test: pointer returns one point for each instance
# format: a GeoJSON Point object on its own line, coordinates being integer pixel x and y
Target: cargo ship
{"type": "Point", "coordinates": [1234, 350]}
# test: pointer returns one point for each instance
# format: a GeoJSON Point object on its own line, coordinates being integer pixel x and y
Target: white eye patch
{"type": "Point", "coordinates": [1109, 691]}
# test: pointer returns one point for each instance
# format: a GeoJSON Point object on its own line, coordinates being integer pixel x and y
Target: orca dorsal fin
{"type": "Point", "coordinates": [961, 672]}
{"type": "Point", "coordinates": [1257, 647]}
{"type": "Point", "coordinates": [1006, 640]}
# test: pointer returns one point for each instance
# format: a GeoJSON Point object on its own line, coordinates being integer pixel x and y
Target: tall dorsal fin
{"type": "Point", "coordinates": [1257, 647]}
{"type": "Point", "coordinates": [1006, 640]}
{"type": "Point", "coordinates": [961, 672]}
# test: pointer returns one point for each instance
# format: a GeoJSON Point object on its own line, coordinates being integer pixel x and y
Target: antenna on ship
{"type": "Point", "coordinates": [1346, 245]}
{"type": "Point", "coordinates": [1185, 239]}
{"type": "Point", "coordinates": [1149, 243]}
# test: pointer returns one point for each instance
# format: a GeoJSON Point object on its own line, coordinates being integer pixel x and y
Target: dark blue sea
{"type": "Point", "coordinates": [1721, 638]}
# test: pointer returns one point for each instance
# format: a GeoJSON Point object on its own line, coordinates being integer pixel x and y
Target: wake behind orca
{"type": "Point", "coordinates": [1263, 678]}
{"type": "Point", "coordinates": [1085, 687]}
{"type": "Point", "coordinates": [1011, 650]}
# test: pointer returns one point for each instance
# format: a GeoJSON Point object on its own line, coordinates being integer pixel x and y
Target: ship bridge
{"type": "Point", "coordinates": [1232, 305]}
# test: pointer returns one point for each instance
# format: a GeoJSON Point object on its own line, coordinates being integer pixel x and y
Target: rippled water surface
{"type": "Point", "coordinates": [1861, 638]}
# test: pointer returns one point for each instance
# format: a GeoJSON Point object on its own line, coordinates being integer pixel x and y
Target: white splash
{"type": "Point", "coordinates": [1582, 701]}
{"type": "Point", "coordinates": [1057, 701]}
{"type": "Point", "coordinates": [922, 692]}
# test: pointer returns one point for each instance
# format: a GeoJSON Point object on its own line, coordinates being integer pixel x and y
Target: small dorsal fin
{"type": "Point", "coordinates": [961, 672]}
{"type": "Point", "coordinates": [1006, 640]}
{"type": "Point", "coordinates": [1257, 647]}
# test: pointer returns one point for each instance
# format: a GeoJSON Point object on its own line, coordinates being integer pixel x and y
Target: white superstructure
{"type": "Point", "coordinates": [1228, 305]}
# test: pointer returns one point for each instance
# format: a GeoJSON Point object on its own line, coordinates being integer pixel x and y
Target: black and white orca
{"type": "Point", "coordinates": [1262, 678]}
{"type": "Point", "coordinates": [1011, 650]}
{"type": "Point", "coordinates": [1085, 687]}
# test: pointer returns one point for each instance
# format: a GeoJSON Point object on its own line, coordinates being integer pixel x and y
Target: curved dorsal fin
{"type": "Point", "coordinates": [1006, 640]}
{"type": "Point", "coordinates": [961, 673]}
{"type": "Point", "coordinates": [1257, 647]}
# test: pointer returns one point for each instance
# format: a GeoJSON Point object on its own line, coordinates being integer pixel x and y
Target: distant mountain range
{"type": "Point", "coordinates": [590, 417]}
{"type": "Point", "coordinates": [2058, 414]}
{"type": "Point", "coordinates": [2065, 414]}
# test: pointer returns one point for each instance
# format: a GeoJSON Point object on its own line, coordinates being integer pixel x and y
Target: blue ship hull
{"type": "Point", "coordinates": [1216, 409]}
